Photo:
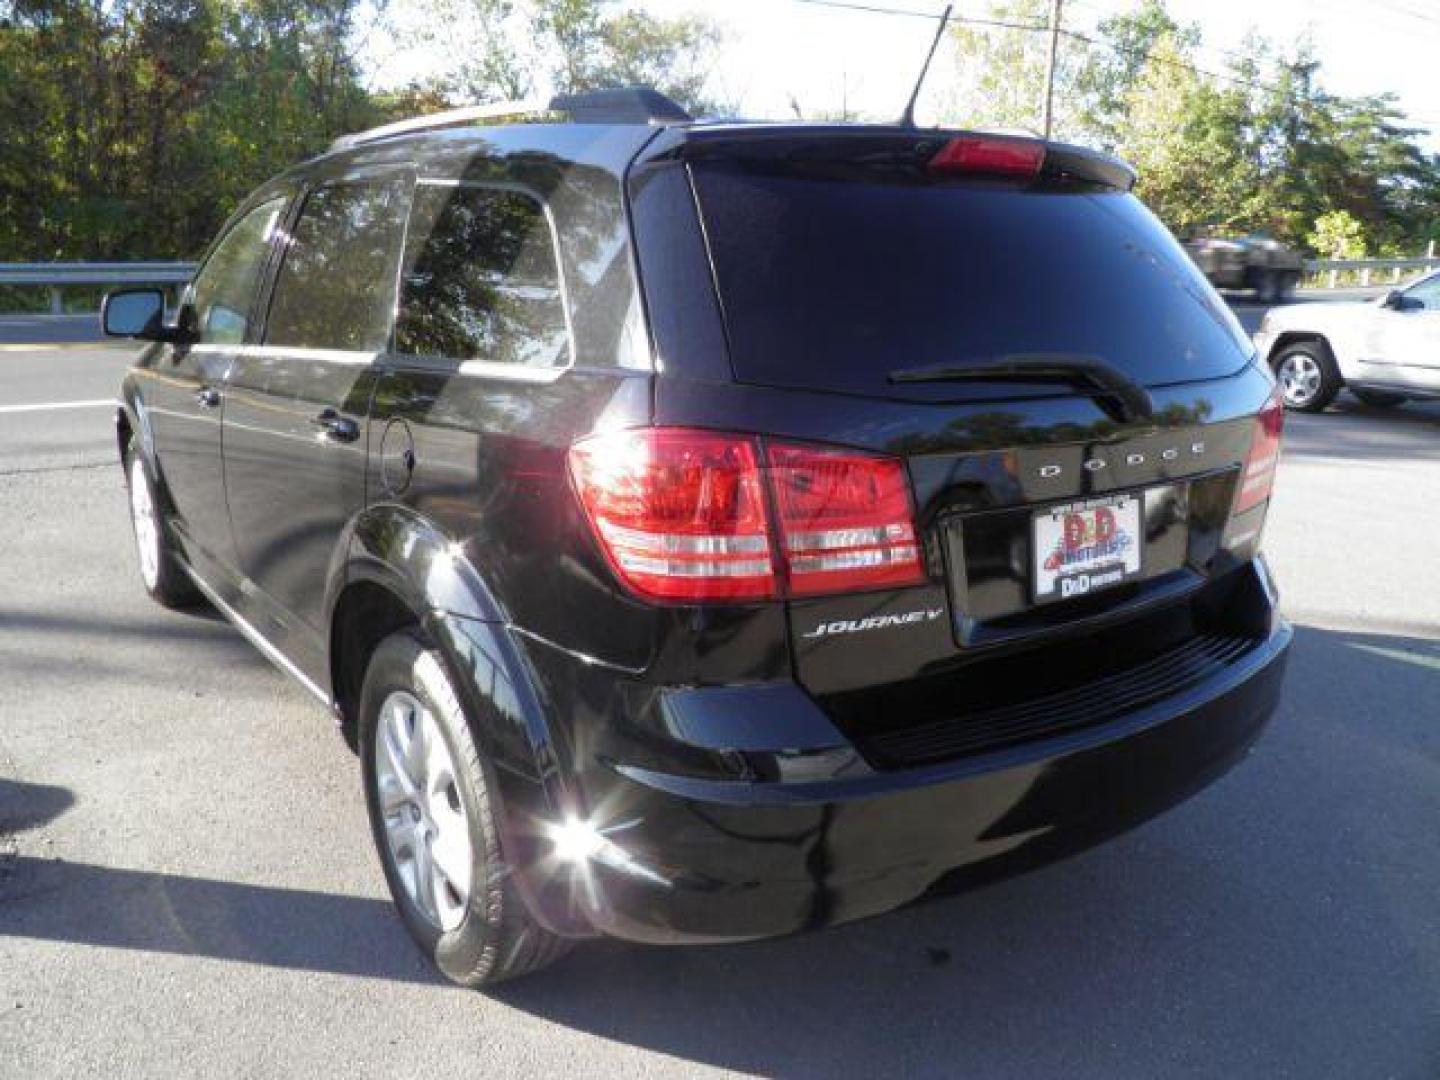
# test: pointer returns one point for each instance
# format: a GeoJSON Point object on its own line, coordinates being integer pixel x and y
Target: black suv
{"type": "Point", "coordinates": [712, 531]}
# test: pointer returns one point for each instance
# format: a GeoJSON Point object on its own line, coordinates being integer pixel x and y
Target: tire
{"type": "Point", "coordinates": [1267, 286]}
{"type": "Point", "coordinates": [434, 799]}
{"type": "Point", "coordinates": [1378, 399]}
{"type": "Point", "coordinates": [160, 571]}
{"type": "Point", "coordinates": [1308, 376]}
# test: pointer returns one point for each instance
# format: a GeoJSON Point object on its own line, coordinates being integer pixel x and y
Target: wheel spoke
{"type": "Point", "coordinates": [425, 877]}
{"type": "Point", "coordinates": [417, 749]}
{"type": "Point", "coordinates": [396, 765]}
{"type": "Point", "coordinates": [393, 795]}
{"type": "Point", "coordinates": [425, 822]}
{"type": "Point", "coordinates": [147, 529]}
{"type": "Point", "coordinates": [450, 849]}
{"type": "Point", "coordinates": [1301, 378]}
{"type": "Point", "coordinates": [439, 773]}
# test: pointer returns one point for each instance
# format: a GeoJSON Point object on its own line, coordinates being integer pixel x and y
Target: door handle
{"type": "Point", "coordinates": [207, 397]}
{"type": "Point", "coordinates": [337, 427]}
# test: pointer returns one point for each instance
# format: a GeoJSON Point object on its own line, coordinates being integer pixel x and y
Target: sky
{"type": "Point", "coordinates": [826, 58]}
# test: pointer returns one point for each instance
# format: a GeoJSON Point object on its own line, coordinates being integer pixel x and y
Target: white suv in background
{"type": "Point", "coordinates": [1385, 351]}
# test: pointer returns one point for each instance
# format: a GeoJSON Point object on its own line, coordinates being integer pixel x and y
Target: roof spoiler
{"type": "Point", "coordinates": [622, 105]}
{"type": "Point", "coordinates": [796, 144]}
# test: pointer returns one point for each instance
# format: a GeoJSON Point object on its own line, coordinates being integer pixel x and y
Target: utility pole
{"type": "Point", "coordinates": [1050, 66]}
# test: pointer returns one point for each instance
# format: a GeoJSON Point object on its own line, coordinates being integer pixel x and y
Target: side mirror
{"type": "Point", "coordinates": [1393, 299]}
{"type": "Point", "coordinates": [134, 313]}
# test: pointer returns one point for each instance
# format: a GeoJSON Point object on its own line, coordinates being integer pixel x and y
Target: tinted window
{"type": "Point", "coordinates": [223, 291]}
{"type": "Point", "coordinates": [336, 287]}
{"type": "Point", "coordinates": [833, 279]}
{"type": "Point", "coordinates": [480, 280]}
{"type": "Point", "coordinates": [1424, 294]}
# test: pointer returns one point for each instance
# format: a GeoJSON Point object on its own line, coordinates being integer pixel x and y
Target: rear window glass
{"type": "Point", "coordinates": [833, 281]}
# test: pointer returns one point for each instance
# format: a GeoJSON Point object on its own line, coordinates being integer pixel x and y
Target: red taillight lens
{"type": "Point", "coordinates": [1258, 477]}
{"type": "Point", "coordinates": [845, 520]}
{"type": "Point", "coordinates": [990, 154]}
{"type": "Point", "coordinates": [680, 514]}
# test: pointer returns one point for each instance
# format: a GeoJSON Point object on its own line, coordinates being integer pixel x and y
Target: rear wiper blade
{"type": "Point", "coordinates": [1083, 371]}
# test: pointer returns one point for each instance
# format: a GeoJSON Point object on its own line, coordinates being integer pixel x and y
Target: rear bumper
{"type": "Point", "coordinates": [725, 860]}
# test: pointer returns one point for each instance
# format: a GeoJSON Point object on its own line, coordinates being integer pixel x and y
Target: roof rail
{"type": "Point", "coordinates": [624, 105]}
{"type": "Point", "coordinates": [468, 114]}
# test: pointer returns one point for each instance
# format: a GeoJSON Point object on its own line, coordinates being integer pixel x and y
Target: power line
{"type": "Point", "coordinates": [1072, 35]}
{"type": "Point", "coordinates": [1004, 24]}
{"type": "Point", "coordinates": [1401, 9]}
{"type": "Point", "coordinates": [844, 6]}
{"type": "Point", "coordinates": [1151, 56]}
{"type": "Point", "coordinates": [912, 13]}
{"type": "Point", "coordinates": [1375, 18]}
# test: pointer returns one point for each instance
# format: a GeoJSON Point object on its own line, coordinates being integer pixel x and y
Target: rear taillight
{"type": "Point", "coordinates": [681, 515]}
{"type": "Point", "coordinates": [990, 154]}
{"type": "Point", "coordinates": [845, 520]}
{"type": "Point", "coordinates": [1258, 476]}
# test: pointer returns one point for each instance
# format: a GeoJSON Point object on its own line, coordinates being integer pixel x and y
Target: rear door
{"type": "Point", "coordinates": [295, 420]}
{"type": "Point", "coordinates": [862, 294]}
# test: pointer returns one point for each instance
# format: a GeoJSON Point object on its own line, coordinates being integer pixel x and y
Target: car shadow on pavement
{"type": "Point", "coordinates": [1282, 922]}
{"type": "Point", "coordinates": [296, 929]}
{"type": "Point", "coordinates": [190, 625]}
{"type": "Point", "coordinates": [44, 642]}
{"type": "Point", "coordinates": [1354, 432]}
{"type": "Point", "coordinates": [28, 806]}
{"type": "Point", "coordinates": [49, 898]}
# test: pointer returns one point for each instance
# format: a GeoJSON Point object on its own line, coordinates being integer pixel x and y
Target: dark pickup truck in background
{"type": "Point", "coordinates": [1261, 264]}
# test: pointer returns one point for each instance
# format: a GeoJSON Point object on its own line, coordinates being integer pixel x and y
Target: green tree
{"type": "Point", "coordinates": [129, 128]}
{"type": "Point", "coordinates": [1259, 146]}
{"type": "Point", "coordinates": [995, 74]}
{"type": "Point", "coordinates": [1104, 81]}
{"type": "Point", "coordinates": [1337, 235]}
{"type": "Point", "coordinates": [497, 50]}
{"type": "Point", "coordinates": [1181, 134]}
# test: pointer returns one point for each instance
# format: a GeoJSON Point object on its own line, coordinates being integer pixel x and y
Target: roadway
{"type": "Point", "coordinates": [48, 329]}
{"type": "Point", "coordinates": [187, 885]}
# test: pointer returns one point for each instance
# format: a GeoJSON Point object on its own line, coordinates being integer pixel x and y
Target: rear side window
{"type": "Point", "coordinates": [336, 286]}
{"type": "Point", "coordinates": [834, 279]}
{"type": "Point", "coordinates": [225, 287]}
{"type": "Point", "coordinates": [480, 280]}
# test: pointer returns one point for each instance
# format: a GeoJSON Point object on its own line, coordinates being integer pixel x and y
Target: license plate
{"type": "Point", "coordinates": [1083, 547]}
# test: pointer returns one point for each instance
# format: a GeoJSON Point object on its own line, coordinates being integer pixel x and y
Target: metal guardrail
{"type": "Point", "coordinates": [58, 276]}
{"type": "Point", "coordinates": [1331, 269]}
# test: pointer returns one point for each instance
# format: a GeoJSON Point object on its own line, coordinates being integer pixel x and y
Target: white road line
{"type": "Point", "coordinates": [49, 405]}
{"type": "Point", "coordinates": [66, 346]}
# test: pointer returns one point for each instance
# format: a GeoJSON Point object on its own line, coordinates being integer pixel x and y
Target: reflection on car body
{"type": "Point", "coordinates": [565, 464]}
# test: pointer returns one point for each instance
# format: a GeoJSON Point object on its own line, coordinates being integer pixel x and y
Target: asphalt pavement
{"type": "Point", "coordinates": [187, 885]}
{"type": "Point", "coordinates": [49, 329]}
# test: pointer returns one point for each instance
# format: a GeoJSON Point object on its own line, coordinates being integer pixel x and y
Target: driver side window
{"type": "Point", "coordinates": [222, 293]}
